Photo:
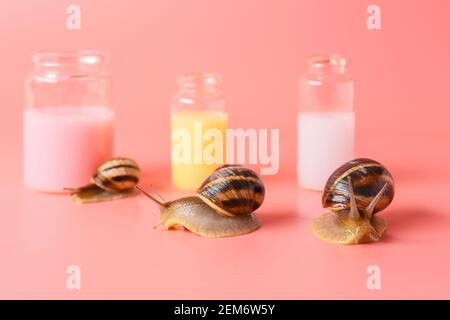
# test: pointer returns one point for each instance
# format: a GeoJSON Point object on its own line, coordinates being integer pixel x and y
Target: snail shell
{"type": "Point", "coordinates": [222, 208]}
{"type": "Point", "coordinates": [354, 193]}
{"type": "Point", "coordinates": [233, 190]}
{"type": "Point", "coordinates": [114, 179]}
{"type": "Point", "coordinates": [117, 175]}
{"type": "Point", "coordinates": [368, 177]}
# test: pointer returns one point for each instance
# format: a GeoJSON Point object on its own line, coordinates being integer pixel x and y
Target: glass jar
{"type": "Point", "coordinates": [68, 120]}
{"type": "Point", "coordinates": [199, 124]}
{"type": "Point", "coordinates": [326, 120]}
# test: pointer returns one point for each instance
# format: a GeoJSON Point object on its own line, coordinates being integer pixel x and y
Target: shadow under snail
{"type": "Point", "coordinates": [222, 207]}
{"type": "Point", "coordinates": [115, 179]}
{"type": "Point", "coordinates": [354, 193]}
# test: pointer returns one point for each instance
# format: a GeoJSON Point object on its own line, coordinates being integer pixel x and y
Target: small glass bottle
{"type": "Point", "coordinates": [68, 120]}
{"type": "Point", "coordinates": [198, 123]}
{"type": "Point", "coordinates": [326, 120]}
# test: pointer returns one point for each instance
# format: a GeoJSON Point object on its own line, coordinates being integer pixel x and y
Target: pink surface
{"type": "Point", "coordinates": [402, 108]}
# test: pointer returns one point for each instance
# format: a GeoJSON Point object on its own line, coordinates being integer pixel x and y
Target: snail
{"type": "Point", "coordinates": [114, 179]}
{"type": "Point", "coordinates": [354, 193]}
{"type": "Point", "coordinates": [223, 206]}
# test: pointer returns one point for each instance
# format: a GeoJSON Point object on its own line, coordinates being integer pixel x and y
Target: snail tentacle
{"type": "Point", "coordinates": [354, 213]}
{"type": "Point", "coordinates": [72, 190]}
{"type": "Point", "coordinates": [369, 209]}
{"type": "Point", "coordinates": [148, 195]}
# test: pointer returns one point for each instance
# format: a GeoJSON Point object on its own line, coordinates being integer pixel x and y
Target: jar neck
{"type": "Point", "coordinates": [198, 92]}
{"type": "Point", "coordinates": [71, 65]}
{"type": "Point", "coordinates": [199, 83]}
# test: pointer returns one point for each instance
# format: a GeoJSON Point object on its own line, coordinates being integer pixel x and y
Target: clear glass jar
{"type": "Point", "coordinates": [68, 120]}
{"type": "Point", "coordinates": [199, 124]}
{"type": "Point", "coordinates": [326, 120]}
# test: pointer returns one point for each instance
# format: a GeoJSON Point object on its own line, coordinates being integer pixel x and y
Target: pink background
{"type": "Point", "coordinates": [402, 103]}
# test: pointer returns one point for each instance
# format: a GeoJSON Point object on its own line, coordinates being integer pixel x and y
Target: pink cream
{"type": "Point", "coordinates": [63, 145]}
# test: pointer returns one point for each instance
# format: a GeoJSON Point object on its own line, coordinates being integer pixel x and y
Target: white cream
{"type": "Point", "coordinates": [325, 141]}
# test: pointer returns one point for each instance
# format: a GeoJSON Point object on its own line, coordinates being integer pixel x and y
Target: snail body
{"type": "Point", "coordinates": [114, 179]}
{"type": "Point", "coordinates": [194, 214]}
{"type": "Point", "coordinates": [354, 193]}
{"type": "Point", "coordinates": [223, 206]}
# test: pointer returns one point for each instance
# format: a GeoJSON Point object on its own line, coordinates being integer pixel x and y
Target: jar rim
{"type": "Point", "coordinates": [53, 59]}
{"type": "Point", "coordinates": [199, 78]}
{"type": "Point", "coordinates": [322, 60]}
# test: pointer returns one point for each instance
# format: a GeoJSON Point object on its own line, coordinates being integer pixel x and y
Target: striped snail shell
{"type": "Point", "coordinates": [114, 179]}
{"type": "Point", "coordinates": [232, 190]}
{"type": "Point", "coordinates": [222, 207]}
{"type": "Point", "coordinates": [117, 175]}
{"type": "Point", "coordinates": [354, 193]}
{"type": "Point", "coordinates": [367, 176]}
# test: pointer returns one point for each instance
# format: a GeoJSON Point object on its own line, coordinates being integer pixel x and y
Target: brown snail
{"type": "Point", "coordinates": [354, 193]}
{"type": "Point", "coordinates": [114, 179]}
{"type": "Point", "coordinates": [223, 205]}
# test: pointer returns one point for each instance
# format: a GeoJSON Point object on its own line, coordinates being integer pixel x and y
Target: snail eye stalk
{"type": "Point", "coordinates": [354, 213]}
{"type": "Point", "coordinates": [373, 203]}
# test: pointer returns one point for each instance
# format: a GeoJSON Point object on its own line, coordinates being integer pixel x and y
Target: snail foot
{"type": "Point", "coordinates": [341, 228]}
